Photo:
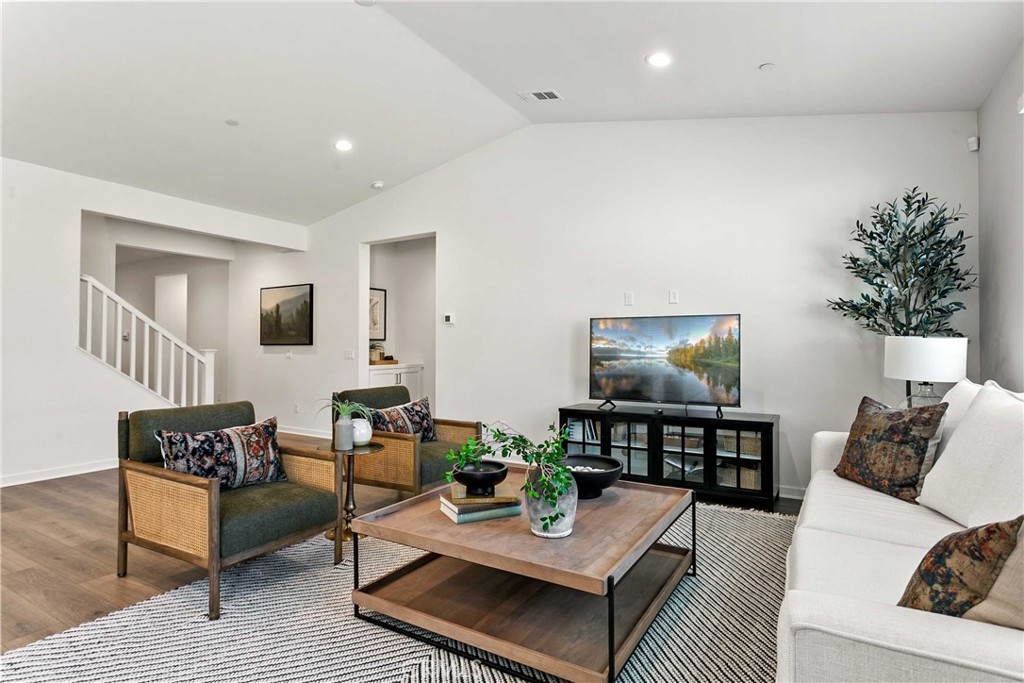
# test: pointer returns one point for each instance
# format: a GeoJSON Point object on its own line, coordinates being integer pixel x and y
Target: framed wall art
{"type": "Point", "coordinates": [378, 314]}
{"type": "Point", "coordinates": [286, 315]}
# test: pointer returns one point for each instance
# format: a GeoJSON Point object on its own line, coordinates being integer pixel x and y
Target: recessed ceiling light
{"type": "Point", "coordinates": [767, 66]}
{"type": "Point", "coordinates": [659, 60]}
{"type": "Point", "coordinates": [343, 145]}
{"type": "Point", "coordinates": [232, 122]}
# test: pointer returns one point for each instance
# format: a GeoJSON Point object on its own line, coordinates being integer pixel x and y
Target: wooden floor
{"type": "Point", "coordinates": [58, 550]}
{"type": "Point", "coordinates": [58, 554]}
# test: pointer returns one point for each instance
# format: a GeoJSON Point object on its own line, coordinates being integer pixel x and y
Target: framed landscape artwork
{"type": "Point", "coordinates": [378, 314]}
{"type": "Point", "coordinates": [286, 315]}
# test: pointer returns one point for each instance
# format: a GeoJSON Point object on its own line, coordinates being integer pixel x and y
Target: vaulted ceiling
{"type": "Point", "coordinates": [140, 93]}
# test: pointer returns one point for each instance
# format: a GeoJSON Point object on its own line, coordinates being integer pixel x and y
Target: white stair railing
{"type": "Point", "coordinates": [184, 378]}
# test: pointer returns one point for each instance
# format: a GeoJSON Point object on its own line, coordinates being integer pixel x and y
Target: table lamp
{"type": "Point", "coordinates": [925, 360]}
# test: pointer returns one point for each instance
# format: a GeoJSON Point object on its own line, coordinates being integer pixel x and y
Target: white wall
{"type": "Point", "coordinates": [406, 270]}
{"type": "Point", "coordinates": [207, 302]}
{"type": "Point", "coordinates": [1001, 178]}
{"type": "Point", "coordinates": [59, 405]}
{"type": "Point", "coordinates": [539, 231]}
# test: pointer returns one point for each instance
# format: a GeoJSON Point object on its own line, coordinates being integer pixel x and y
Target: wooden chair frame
{"type": "Point", "coordinates": [179, 514]}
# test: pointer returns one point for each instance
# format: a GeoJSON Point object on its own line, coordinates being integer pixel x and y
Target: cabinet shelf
{"type": "Point", "coordinates": [731, 459]}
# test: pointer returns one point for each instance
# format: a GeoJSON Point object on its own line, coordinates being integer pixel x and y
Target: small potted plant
{"type": "Point", "coordinates": [551, 492]}
{"type": "Point", "coordinates": [343, 439]}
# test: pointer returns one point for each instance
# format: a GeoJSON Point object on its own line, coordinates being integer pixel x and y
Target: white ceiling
{"type": "Point", "coordinates": [831, 58]}
{"type": "Point", "coordinates": [138, 93]}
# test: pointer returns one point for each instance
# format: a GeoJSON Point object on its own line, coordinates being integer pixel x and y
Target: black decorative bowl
{"type": "Point", "coordinates": [606, 471]}
{"type": "Point", "coordinates": [481, 480]}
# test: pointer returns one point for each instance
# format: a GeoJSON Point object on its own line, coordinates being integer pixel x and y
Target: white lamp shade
{"type": "Point", "coordinates": [926, 359]}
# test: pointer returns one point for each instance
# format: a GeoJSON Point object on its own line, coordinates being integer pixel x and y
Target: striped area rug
{"type": "Point", "coordinates": [288, 617]}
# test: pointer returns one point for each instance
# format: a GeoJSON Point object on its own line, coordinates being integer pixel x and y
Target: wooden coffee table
{"type": "Point", "coordinates": [574, 607]}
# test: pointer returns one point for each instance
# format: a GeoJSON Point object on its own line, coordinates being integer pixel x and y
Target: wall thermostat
{"type": "Point", "coordinates": [973, 144]}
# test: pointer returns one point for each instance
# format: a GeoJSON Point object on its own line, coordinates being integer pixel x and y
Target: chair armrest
{"type": "Point", "coordinates": [827, 450]}
{"type": "Point", "coordinates": [838, 638]}
{"type": "Point", "coordinates": [457, 431]}
{"type": "Point", "coordinates": [171, 509]}
{"type": "Point", "coordinates": [396, 467]}
{"type": "Point", "coordinates": [319, 469]}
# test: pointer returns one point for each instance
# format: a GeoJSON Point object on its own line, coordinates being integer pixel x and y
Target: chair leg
{"type": "Point", "coordinates": [214, 591]}
{"type": "Point", "coordinates": [338, 556]}
{"type": "Point", "coordinates": [122, 556]}
{"type": "Point", "coordinates": [122, 524]}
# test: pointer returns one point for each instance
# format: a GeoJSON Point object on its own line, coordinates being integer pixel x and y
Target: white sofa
{"type": "Point", "coordinates": [853, 552]}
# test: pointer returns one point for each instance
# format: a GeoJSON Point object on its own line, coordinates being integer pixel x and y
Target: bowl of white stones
{"type": "Point", "coordinates": [593, 473]}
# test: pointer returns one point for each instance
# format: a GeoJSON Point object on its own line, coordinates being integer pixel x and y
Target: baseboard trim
{"type": "Point", "coordinates": [304, 432]}
{"type": "Point", "coordinates": [57, 472]}
{"type": "Point", "coordinates": [795, 492]}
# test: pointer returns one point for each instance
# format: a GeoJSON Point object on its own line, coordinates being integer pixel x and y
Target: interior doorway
{"type": "Point", "coordinates": [405, 271]}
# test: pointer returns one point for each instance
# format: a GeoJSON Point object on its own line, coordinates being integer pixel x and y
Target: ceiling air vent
{"type": "Point", "coordinates": [540, 95]}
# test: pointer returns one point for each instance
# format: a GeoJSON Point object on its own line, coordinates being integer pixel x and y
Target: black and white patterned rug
{"type": "Point", "coordinates": [288, 617]}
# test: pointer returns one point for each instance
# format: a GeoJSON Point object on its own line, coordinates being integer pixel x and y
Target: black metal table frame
{"type": "Point", "coordinates": [441, 641]}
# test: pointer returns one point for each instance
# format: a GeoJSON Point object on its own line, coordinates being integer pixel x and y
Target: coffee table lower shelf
{"type": "Point", "coordinates": [558, 630]}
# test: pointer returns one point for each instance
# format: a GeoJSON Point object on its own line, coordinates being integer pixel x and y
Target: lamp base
{"type": "Point", "coordinates": [924, 396]}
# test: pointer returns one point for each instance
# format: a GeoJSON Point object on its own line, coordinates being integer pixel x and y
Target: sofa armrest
{"type": "Point", "coordinates": [835, 638]}
{"type": "Point", "coordinates": [827, 450]}
{"type": "Point", "coordinates": [171, 510]}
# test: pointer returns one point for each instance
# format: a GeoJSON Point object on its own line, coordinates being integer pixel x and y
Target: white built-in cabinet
{"type": "Point", "coordinates": [408, 374]}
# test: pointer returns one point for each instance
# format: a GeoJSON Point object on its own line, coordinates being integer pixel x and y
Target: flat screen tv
{"type": "Point", "coordinates": [686, 359]}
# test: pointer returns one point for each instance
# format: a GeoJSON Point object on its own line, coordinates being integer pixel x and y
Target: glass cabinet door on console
{"type": "Point", "coordinates": [629, 446]}
{"type": "Point", "coordinates": [683, 452]}
{"type": "Point", "coordinates": [584, 436]}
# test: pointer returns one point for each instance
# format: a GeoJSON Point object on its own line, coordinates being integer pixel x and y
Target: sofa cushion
{"type": "Point", "coordinates": [959, 398]}
{"type": "Point", "coordinates": [1017, 395]}
{"type": "Point", "coordinates": [841, 506]}
{"type": "Point", "coordinates": [958, 576]}
{"type": "Point", "coordinates": [408, 418]}
{"type": "Point", "coordinates": [979, 478]}
{"type": "Point", "coordinates": [238, 456]}
{"type": "Point", "coordinates": [254, 515]}
{"type": "Point", "coordinates": [891, 449]}
{"type": "Point", "coordinates": [851, 566]}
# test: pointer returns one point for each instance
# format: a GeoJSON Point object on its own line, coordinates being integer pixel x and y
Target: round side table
{"type": "Point", "coordinates": [350, 498]}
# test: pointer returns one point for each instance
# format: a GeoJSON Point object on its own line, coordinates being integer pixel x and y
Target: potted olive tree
{"type": "Point", "coordinates": [551, 492]}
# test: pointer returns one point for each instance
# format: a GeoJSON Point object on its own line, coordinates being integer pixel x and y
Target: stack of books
{"type": "Point", "coordinates": [462, 508]}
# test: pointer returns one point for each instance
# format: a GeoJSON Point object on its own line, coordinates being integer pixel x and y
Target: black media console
{"type": "Point", "coordinates": [730, 459]}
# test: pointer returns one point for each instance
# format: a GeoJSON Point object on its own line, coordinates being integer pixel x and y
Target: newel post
{"type": "Point", "coordinates": [210, 363]}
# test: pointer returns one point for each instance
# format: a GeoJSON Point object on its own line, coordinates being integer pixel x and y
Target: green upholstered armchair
{"type": "Point", "coordinates": [190, 518]}
{"type": "Point", "coordinates": [406, 464]}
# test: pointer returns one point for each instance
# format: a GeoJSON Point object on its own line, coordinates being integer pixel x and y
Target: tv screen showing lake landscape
{"type": "Point", "coordinates": [666, 359]}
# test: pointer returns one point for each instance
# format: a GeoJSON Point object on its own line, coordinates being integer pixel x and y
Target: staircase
{"type": "Point", "coordinates": [120, 336]}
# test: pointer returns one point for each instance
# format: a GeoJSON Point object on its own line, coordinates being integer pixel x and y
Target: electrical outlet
{"type": "Point", "coordinates": [627, 298]}
{"type": "Point", "coordinates": [673, 296]}
{"type": "Point", "coordinates": [297, 409]}
{"type": "Point", "coordinates": [350, 354]}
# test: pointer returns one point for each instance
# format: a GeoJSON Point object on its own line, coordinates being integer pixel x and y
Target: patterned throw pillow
{"type": "Point", "coordinates": [408, 418]}
{"type": "Point", "coordinates": [976, 574]}
{"type": "Point", "coordinates": [889, 449]}
{"type": "Point", "coordinates": [238, 456]}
